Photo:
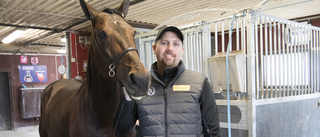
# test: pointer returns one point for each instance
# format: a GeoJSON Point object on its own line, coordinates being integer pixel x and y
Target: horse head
{"type": "Point", "coordinates": [114, 51]}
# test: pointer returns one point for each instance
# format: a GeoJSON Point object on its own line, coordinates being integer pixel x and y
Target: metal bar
{"type": "Point", "coordinates": [207, 49]}
{"type": "Point", "coordinates": [195, 50]}
{"type": "Point", "coordinates": [261, 59]}
{"type": "Point", "coordinates": [284, 68]}
{"type": "Point", "coordinates": [149, 59]}
{"type": "Point", "coordinates": [275, 58]}
{"type": "Point", "coordinates": [186, 50]}
{"type": "Point", "coordinates": [288, 59]}
{"type": "Point", "coordinates": [291, 60]}
{"type": "Point", "coordinates": [216, 38]}
{"type": "Point", "coordinates": [201, 52]}
{"type": "Point", "coordinates": [299, 60]}
{"type": "Point", "coordinates": [295, 44]}
{"type": "Point", "coordinates": [222, 36]}
{"type": "Point", "coordinates": [317, 64]}
{"type": "Point", "coordinates": [237, 33]}
{"type": "Point", "coordinates": [251, 76]}
{"type": "Point", "coordinates": [266, 58]}
{"type": "Point", "coordinates": [192, 52]}
{"type": "Point", "coordinates": [256, 46]}
{"type": "Point", "coordinates": [271, 61]}
{"type": "Point", "coordinates": [304, 64]}
{"type": "Point", "coordinates": [310, 59]}
{"type": "Point", "coordinates": [197, 46]}
{"type": "Point", "coordinates": [244, 52]}
{"type": "Point", "coordinates": [279, 59]}
{"type": "Point", "coordinates": [230, 33]}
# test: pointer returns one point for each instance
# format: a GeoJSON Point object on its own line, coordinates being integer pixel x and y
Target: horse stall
{"type": "Point", "coordinates": [274, 72]}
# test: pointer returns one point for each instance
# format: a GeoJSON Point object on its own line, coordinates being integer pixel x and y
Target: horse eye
{"type": "Point", "coordinates": [102, 35]}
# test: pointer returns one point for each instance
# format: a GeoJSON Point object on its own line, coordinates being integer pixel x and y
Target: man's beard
{"type": "Point", "coordinates": [168, 64]}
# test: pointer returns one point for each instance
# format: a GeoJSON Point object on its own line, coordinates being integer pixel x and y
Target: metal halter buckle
{"type": "Point", "coordinates": [112, 72]}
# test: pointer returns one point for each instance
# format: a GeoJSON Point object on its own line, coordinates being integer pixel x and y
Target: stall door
{"type": "Point", "coordinates": [5, 111]}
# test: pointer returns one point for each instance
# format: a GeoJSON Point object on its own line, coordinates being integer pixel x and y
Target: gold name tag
{"type": "Point", "coordinates": [181, 87]}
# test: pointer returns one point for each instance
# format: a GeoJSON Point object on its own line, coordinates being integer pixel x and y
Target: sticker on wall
{"type": "Point", "coordinates": [32, 74]}
{"type": "Point", "coordinates": [23, 59]}
{"type": "Point", "coordinates": [34, 60]}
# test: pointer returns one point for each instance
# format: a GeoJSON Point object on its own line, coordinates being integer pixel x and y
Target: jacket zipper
{"type": "Point", "coordinates": [165, 109]}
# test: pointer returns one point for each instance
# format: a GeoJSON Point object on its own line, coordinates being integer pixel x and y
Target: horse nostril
{"type": "Point", "coordinates": [133, 79]}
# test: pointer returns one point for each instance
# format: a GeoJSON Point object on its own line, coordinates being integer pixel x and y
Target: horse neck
{"type": "Point", "coordinates": [104, 93]}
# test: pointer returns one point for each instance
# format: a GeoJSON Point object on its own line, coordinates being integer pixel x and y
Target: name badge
{"type": "Point", "coordinates": [181, 87]}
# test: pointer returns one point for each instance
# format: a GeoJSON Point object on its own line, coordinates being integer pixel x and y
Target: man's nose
{"type": "Point", "coordinates": [169, 47]}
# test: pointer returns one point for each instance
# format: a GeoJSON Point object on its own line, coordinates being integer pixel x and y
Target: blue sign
{"type": "Point", "coordinates": [32, 73]}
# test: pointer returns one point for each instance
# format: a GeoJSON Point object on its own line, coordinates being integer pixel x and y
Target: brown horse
{"type": "Point", "coordinates": [71, 108]}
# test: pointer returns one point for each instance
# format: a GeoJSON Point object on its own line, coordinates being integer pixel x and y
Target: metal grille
{"type": "Point", "coordinates": [281, 57]}
{"type": "Point", "coordinates": [286, 56]}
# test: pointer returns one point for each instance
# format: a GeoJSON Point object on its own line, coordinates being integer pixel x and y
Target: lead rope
{"type": "Point", "coordinates": [115, 128]}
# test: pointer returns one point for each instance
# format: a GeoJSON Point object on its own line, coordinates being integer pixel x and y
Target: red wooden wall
{"type": "Point", "coordinates": [79, 52]}
{"type": "Point", "coordinates": [9, 63]}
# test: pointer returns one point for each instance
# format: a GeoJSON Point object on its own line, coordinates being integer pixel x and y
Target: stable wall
{"type": "Point", "coordinates": [9, 64]}
{"type": "Point", "coordinates": [78, 54]}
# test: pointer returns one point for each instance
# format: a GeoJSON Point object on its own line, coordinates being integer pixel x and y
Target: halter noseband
{"type": "Point", "coordinates": [112, 65]}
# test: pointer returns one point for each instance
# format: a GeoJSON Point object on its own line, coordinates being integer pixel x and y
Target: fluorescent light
{"type": "Point", "coordinates": [61, 50]}
{"type": "Point", "coordinates": [64, 40]}
{"type": "Point", "coordinates": [14, 35]}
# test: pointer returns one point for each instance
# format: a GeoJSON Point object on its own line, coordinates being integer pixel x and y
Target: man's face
{"type": "Point", "coordinates": [168, 50]}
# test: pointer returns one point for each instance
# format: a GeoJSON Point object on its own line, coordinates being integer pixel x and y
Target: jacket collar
{"type": "Point", "coordinates": [170, 74]}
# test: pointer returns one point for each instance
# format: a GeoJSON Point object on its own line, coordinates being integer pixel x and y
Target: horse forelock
{"type": "Point", "coordinates": [112, 11]}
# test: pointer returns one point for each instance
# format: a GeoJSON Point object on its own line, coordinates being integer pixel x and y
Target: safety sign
{"type": "Point", "coordinates": [32, 73]}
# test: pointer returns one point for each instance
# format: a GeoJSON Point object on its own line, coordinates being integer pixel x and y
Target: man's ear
{"type": "Point", "coordinates": [154, 47]}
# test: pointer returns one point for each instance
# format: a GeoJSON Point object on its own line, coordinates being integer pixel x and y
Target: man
{"type": "Point", "coordinates": [179, 102]}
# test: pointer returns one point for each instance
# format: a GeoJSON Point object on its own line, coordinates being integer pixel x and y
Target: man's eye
{"type": "Point", "coordinates": [176, 44]}
{"type": "Point", "coordinates": [164, 43]}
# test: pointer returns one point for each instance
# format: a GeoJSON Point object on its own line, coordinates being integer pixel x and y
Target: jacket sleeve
{"type": "Point", "coordinates": [209, 112]}
{"type": "Point", "coordinates": [125, 118]}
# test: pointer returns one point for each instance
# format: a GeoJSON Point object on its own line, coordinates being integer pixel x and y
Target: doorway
{"type": "Point", "coordinates": [5, 109]}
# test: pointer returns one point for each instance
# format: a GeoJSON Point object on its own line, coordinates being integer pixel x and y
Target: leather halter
{"type": "Point", "coordinates": [113, 65]}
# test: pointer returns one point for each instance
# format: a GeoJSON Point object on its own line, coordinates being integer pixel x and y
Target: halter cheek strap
{"type": "Point", "coordinates": [113, 65]}
{"type": "Point", "coordinates": [115, 62]}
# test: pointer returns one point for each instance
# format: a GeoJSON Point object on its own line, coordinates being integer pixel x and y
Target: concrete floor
{"type": "Point", "coordinates": [31, 131]}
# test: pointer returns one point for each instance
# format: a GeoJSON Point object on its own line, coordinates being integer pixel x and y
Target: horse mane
{"type": "Point", "coordinates": [88, 77]}
{"type": "Point", "coordinates": [112, 11]}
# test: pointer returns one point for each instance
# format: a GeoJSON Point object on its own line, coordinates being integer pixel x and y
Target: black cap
{"type": "Point", "coordinates": [172, 29]}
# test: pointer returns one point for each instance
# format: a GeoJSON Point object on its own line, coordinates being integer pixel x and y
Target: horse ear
{"type": "Point", "coordinates": [87, 10]}
{"type": "Point", "coordinates": [124, 7]}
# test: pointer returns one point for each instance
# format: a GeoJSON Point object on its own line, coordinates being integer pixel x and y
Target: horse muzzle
{"type": "Point", "coordinates": [137, 85]}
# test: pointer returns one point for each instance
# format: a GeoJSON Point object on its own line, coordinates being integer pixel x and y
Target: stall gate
{"type": "Point", "coordinates": [281, 75]}
{"type": "Point", "coordinates": [281, 72]}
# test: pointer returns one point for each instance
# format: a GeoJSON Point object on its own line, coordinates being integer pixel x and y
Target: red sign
{"type": "Point", "coordinates": [40, 76]}
{"type": "Point", "coordinates": [23, 59]}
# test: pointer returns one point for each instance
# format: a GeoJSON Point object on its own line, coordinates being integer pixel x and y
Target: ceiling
{"type": "Point", "coordinates": [46, 21]}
